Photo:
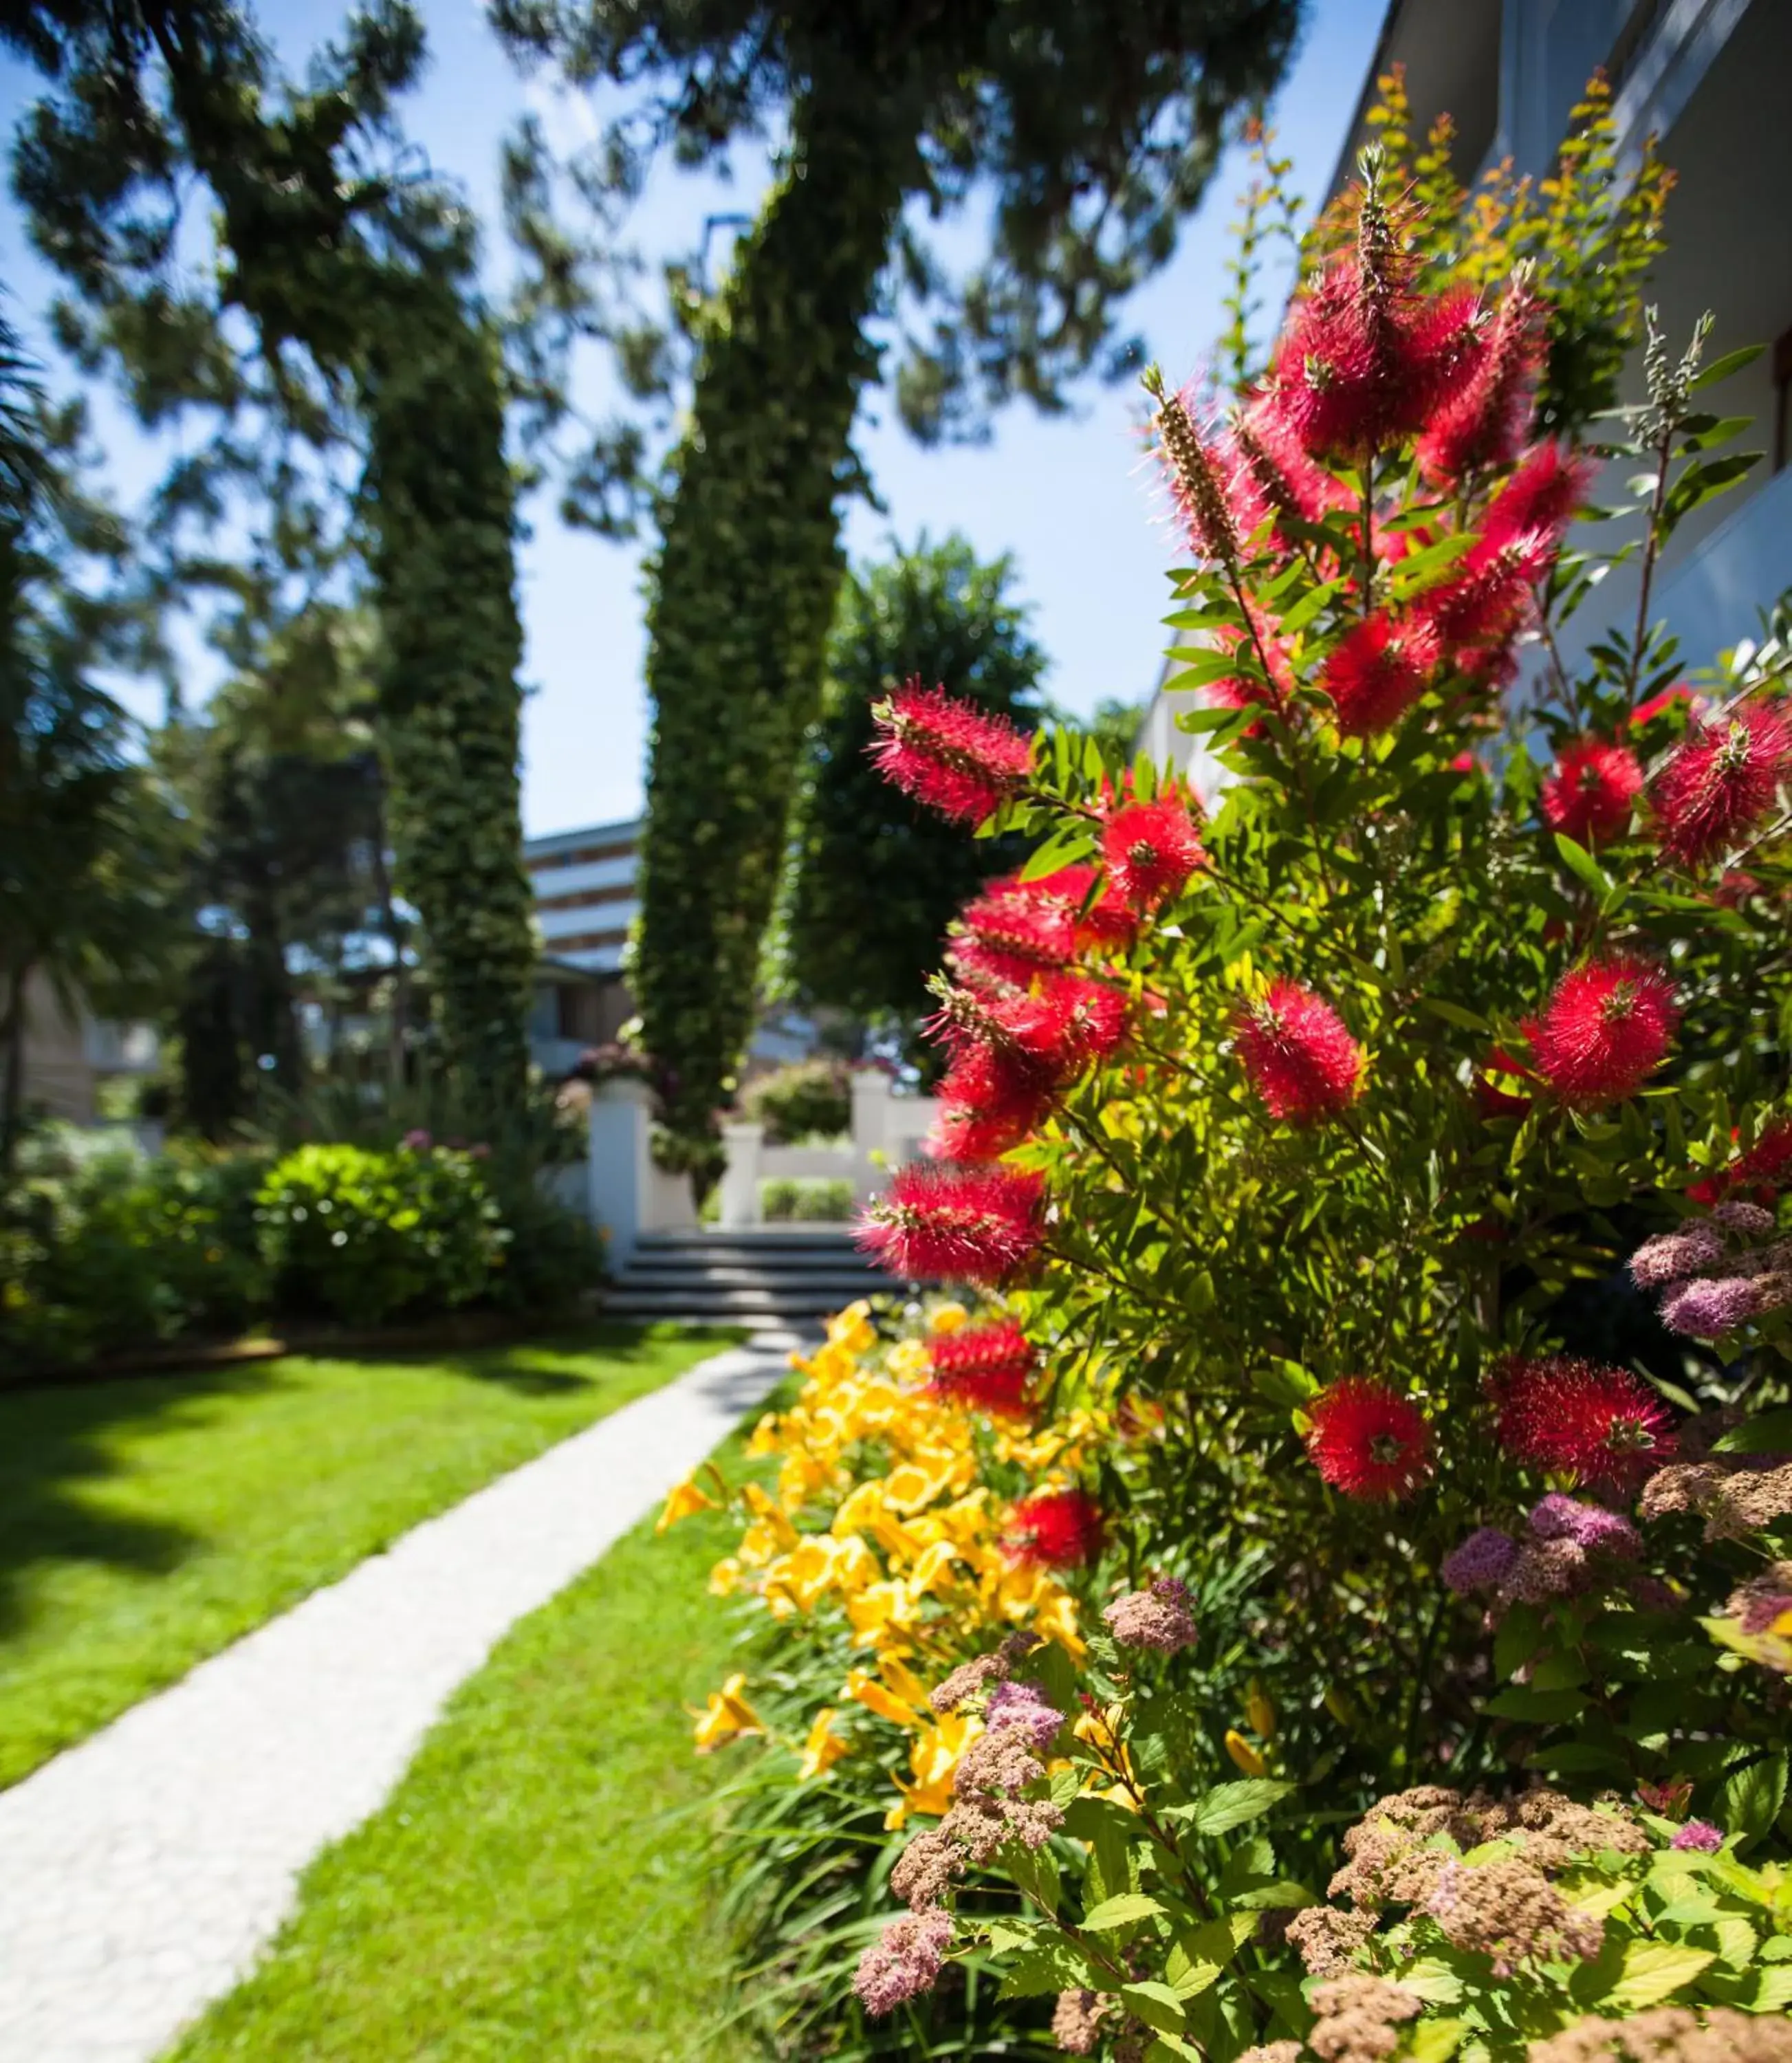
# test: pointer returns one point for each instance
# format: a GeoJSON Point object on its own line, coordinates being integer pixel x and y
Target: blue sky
{"type": "Point", "coordinates": [1067, 497]}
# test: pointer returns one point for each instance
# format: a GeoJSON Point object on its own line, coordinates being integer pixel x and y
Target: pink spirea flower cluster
{"type": "Point", "coordinates": [905, 1962]}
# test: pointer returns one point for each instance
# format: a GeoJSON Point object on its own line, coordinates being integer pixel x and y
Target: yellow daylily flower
{"type": "Point", "coordinates": [764, 1439]}
{"type": "Point", "coordinates": [1245, 1757]}
{"type": "Point", "coordinates": [1259, 1710]}
{"type": "Point", "coordinates": [903, 1681]}
{"type": "Point", "coordinates": [822, 1749]}
{"type": "Point", "coordinates": [934, 1568]}
{"type": "Point", "coordinates": [949, 1318]}
{"type": "Point", "coordinates": [932, 1762]}
{"type": "Point", "coordinates": [685, 1499]}
{"type": "Point", "coordinates": [865, 1689]}
{"type": "Point", "coordinates": [909, 1362]}
{"type": "Point", "coordinates": [724, 1578]}
{"type": "Point", "coordinates": [726, 1717]}
{"type": "Point", "coordinates": [878, 1610]}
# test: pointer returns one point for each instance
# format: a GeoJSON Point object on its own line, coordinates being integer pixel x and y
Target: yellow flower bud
{"type": "Point", "coordinates": [1245, 1757]}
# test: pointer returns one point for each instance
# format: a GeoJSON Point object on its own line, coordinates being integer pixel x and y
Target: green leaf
{"type": "Point", "coordinates": [1121, 1910]}
{"type": "Point", "coordinates": [1229, 1805]}
{"type": "Point", "coordinates": [1154, 2004]}
{"type": "Point", "coordinates": [1581, 864]}
{"type": "Point", "coordinates": [1173, 2046]}
{"type": "Point", "coordinates": [1053, 1965]}
{"type": "Point", "coordinates": [1435, 2041]}
{"type": "Point", "coordinates": [1534, 1707]}
{"type": "Point", "coordinates": [1284, 1382]}
{"type": "Point", "coordinates": [1752, 1797]}
{"type": "Point", "coordinates": [1768, 1433]}
{"type": "Point", "coordinates": [1433, 1981]}
{"type": "Point", "coordinates": [1721, 368]}
{"type": "Point", "coordinates": [1453, 1013]}
{"type": "Point", "coordinates": [1056, 852]}
{"type": "Point", "coordinates": [1655, 1970]}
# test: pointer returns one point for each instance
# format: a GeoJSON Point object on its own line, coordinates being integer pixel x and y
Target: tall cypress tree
{"type": "Point", "coordinates": [369, 276]}
{"type": "Point", "coordinates": [1095, 128]}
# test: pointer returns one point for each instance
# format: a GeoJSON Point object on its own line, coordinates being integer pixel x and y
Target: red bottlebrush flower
{"type": "Point", "coordinates": [1299, 1055]}
{"type": "Point", "coordinates": [1368, 1440]}
{"type": "Point", "coordinates": [1151, 849]}
{"type": "Point", "coordinates": [1605, 1030]}
{"type": "Point", "coordinates": [1364, 359]}
{"type": "Point", "coordinates": [1196, 477]}
{"type": "Point", "coordinates": [967, 1225]}
{"type": "Point", "coordinates": [1721, 781]}
{"type": "Point", "coordinates": [1484, 603]}
{"type": "Point", "coordinates": [1015, 932]}
{"type": "Point", "coordinates": [1484, 421]}
{"type": "Point", "coordinates": [1014, 1054]}
{"type": "Point", "coordinates": [1378, 670]}
{"type": "Point", "coordinates": [1055, 1530]}
{"type": "Point", "coordinates": [1761, 1170]}
{"type": "Point", "coordinates": [1678, 697]}
{"type": "Point", "coordinates": [991, 1097]}
{"type": "Point", "coordinates": [1735, 887]}
{"type": "Point", "coordinates": [1273, 477]}
{"type": "Point", "coordinates": [1105, 921]}
{"type": "Point", "coordinates": [1588, 797]}
{"type": "Point", "coordinates": [986, 1368]}
{"type": "Point", "coordinates": [1539, 500]}
{"type": "Point", "coordinates": [948, 754]}
{"type": "Point", "coordinates": [1577, 1418]}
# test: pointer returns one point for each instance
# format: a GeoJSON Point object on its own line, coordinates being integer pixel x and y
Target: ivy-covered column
{"type": "Point", "coordinates": [442, 501]}
{"type": "Point", "coordinates": [748, 569]}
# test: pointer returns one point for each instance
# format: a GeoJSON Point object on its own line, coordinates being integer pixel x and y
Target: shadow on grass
{"type": "Point", "coordinates": [51, 1448]}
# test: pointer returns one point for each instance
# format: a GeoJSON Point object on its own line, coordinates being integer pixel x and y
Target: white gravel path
{"type": "Point", "coordinates": [141, 1871]}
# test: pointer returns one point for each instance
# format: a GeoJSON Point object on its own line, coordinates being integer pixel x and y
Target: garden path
{"type": "Point", "coordinates": [143, 1871]}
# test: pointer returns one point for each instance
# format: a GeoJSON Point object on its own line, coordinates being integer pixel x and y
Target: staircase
{"type": "Point", "coordinates": [770, 1279]}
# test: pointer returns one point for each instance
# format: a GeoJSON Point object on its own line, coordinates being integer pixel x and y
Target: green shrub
{"type": "Point", "coordinates": [808, 1200]}
{"type": "Point", "coordinates": [553, 1255]}
{"type": "Point", "coordinates": [102, 1249]}
{"type": "Point", "coordinates": [809, 1096]}
{"type": "Point", "coordinates": [366, 1235]}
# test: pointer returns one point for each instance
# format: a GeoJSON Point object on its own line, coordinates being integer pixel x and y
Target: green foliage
{"type": "Point", "coordinates": [875, 879]}
{"type": "Point", "coordinates": [366, 1235]}
{"type": "Point", "coordinates": [807, 1097]}
{"type": "Point", "coordinates": [805, 1200]}
{"type": "Point", "coordinates": [108, 1251]}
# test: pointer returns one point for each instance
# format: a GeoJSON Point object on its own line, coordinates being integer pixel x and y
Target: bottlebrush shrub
{"type": "Point", "coordinates": [1166, 1914]}
{"type": "Point", "coordinates": [1403, 1072]}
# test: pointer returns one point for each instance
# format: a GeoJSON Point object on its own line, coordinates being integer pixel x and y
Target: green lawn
{"type": "Point", "coordinates": [146, 1524]}
{"type": "Point", "coordinates": [530, 1890]}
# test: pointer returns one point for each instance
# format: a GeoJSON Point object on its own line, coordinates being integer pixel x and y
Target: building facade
{"type": "Point", "coordinates": [1708, 79]}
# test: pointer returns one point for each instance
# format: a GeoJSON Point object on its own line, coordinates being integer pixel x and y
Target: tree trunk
{"type": "Point", "coordinates": [747, 573]}
{"type": "Point", "coordinates": [12, 1068]}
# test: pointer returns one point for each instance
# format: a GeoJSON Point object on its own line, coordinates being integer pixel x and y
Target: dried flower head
{"type": "Point", "coordinates": [1195, 474]}
{"type": "Point", "coordinates": [905, 1962]}
{"type": "Point", "coordinates": [1357, 2017]}
{"type": "Point", "coordinates": [1606, 1029]}
{"type": "Point", "coordinates": [1511, 1911]}
{"type": "Point", "coordinates": [1077, 2021]}
{"type": "Point", "coordinates": [1298, 1055]}
{"type": "Point", "coordinates": [1157, 1618]}
{"type": "Point", "coordinates": [1326, 1938]}
{"type": "Point", "coordinates": [970, 1224]}
{"type": "Point", "coordinates": [1670, 2034]}
{"type": "Point", "coordinates": [1721, 781]}
{"type": "Point", "coordinates": [1588, 796]}
{"type": "Point", "coordinates": [1368, 1440]}
{"type": "Point", "coordinates": [948, 754]}
{"type": "Point", "coordinates": [1481, 1562]}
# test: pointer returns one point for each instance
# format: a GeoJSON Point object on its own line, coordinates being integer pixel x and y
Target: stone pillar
{"type": "Point", "coordinates": [870, 1093]}
{"type": "Point", "coordinates": [740, 1181]}
{"type": "Point", "coordinates": [619, 1170]}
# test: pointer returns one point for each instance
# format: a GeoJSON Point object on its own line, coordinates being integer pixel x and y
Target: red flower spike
{"type": "Point", "coordinates": [1106, 922]}
{"type": "Point", "coordinates": [1056, 1530]}
{"type": "Point", "coordinates": [1368, 1440]}
{"type": "Point", "coordinates": [1721, 781]}
{"type": "Point", "coordinates": [991, 1098]}
{"type": "Point", "coordinates": [1017, 933]}
{"type": "Point", "coordinates": [1151, 849]}
{"type": "Point", "coordinates": [1678, 697]}
{"type": "Point", "coordinates": [1378, 670]}
{"type": "Point", "coordinates": [1539, 500]}
{"type": "Point", "coordinates": [1606, 1029]}
{"type": "Point", "coordinates": [1574, 1417]}
{"type": "Point", "coordinates": [985, 1368]}
{"type": "Point", "coordinates": [948, 754]}
{"type": "Point", "coordinates": [1588, 796]}
{"type": "Point", "coordinates": [1487, 601]}
{"type": "Point", "coordinates": [967, 1225]}
{"type": "Point", "coordinates": [1249, 690]}
{"type": "Point", "coordinates": [1197, 480]}
{"type": "Point", "coordinates": [1272, 476]}
{"type": "Point", "coordinates": [1760, 1171]}
{"type": "Point", "coordinates": [1299, 1056]}
{"type": "Point", "coordinates": [1484, 421]}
